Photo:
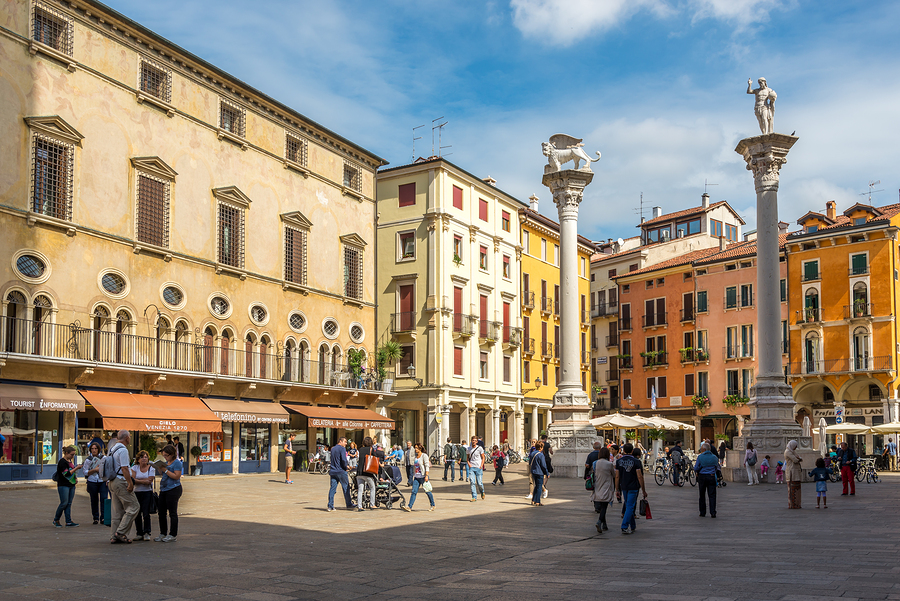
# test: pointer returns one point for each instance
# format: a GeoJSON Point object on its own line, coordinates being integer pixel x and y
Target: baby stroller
{"type": "Point", "coordinates": [386, 491]}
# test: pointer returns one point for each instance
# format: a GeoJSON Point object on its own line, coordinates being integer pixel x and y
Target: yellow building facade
{"type": "Point", "coordinates": [172, 231]}
{"type": "Point", "coordinates": [540, 296]}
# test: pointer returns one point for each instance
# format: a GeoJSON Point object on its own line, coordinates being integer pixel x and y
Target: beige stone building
{"type": "Point", "coordinates": [171, 232]}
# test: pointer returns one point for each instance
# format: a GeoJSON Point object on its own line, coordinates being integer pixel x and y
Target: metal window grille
{"type": "Point", "coordinates": [295, 149]}
{"type": "Point", "coordinates": [172, 296]}
{"type": "Point", "coordinates": [113, 283]}
{"type": "Point", "coordinates": [30, 266]}
{"type": "Point", "coordinates": [153, 210]}
{"type": "Point", "coordinates": [296, 320]}
{"type": "Point", "coordinates": [295, 255]}
{"type": "Point", "coordinates": [330, 327]}
{"type": "Point", "coordinates": [219, 305]}
{"type": "Point", "coordinates": [52, 168]}
{"type": "Point", "coordinates": [258, 313]}
{"type": "Point", "coordinates": [231, 235]}
{"type": "Point", "coordinates": [232, 118]}
{"type": "Point", "coordinates": [52, 27]}
{"type": "Point", "coordinates": [352, 176]}
{"type": "Point", "coordinates": [352, 272]}
{"type": "Point", "coordinates": [356, 333]}
{"type": "Point", "coordinates": [156, 80]}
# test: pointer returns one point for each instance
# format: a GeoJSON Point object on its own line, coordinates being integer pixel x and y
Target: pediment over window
{"type": "Point", "coordinates": [353, 239]}
{"type": "Point", "coordinates": [296, 218]}
{"type": "Point", "coordinates": [232, 194]}
{"type": "Point", "coordinates": [154, 166]}
{"type": "Point", "coordinates": [55, 126]}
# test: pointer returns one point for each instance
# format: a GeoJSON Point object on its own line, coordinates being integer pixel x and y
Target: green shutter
{"type": "Point", "coordinates": [783, 290]}
{"type": "Point", "coordinates": [701, 301]}
{"type": "Point", "coordinates": [730, 297]}
{"type": "Point", "coordinates": [811, 270]}
{"type": "Point", "coordinates": [858, 263]}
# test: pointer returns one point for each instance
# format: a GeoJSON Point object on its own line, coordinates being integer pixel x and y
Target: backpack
{"type": "Point", "coordinates": [751, 461]}
{"type": "Point", "coordinates": [107, 466]}
{"type": "Point", "coordinates": [462, 453]}
{"type": "Point", "coordinates": [454, 452]}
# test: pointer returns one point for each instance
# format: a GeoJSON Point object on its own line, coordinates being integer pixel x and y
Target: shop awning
{"type": "Point", "coordinates": [39, 398]}
{"type": "Point", "coordinates": [255, 412]}
{"type": "Point", "coordinates": [335, 417]}
{"type": "Point", "coordinates": [148, 413]}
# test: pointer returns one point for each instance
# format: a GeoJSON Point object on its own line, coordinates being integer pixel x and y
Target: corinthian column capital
{"type": "Point", "coordinates": [765, 155]}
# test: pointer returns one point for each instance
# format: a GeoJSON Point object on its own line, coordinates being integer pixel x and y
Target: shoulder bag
{"type": "Point", "coordinates": [372, 464]}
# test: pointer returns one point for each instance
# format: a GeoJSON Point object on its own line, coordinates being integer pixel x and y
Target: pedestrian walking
{"type": "Point", "coordinates": [65, 486]}
{"type": "Point", "coordinates": [707, 469]}
{"type": "Point", "coordinates": [352, 455]}
{"type": "Point", "coordinates": [548, 454]}
{"type": "Point", "coordinates": [498, 458]}
{"type": "Point", "coordinates": [476, 467]}
{"type": "Point", "coordinates": [629, 482]}
{"type": "Point", "coordinates": [890, 450]}
{"type": "Point", "coordinates": [170, 490]}
{"type": "Point", "coordinates": [463, 460]}
{"type": "Point", "coordinates": [750, 459]}
{"type": "Point", "coordinates": [591, 458]}
{"type": "Point", "coordinates": [143, 475]}
{"type": "Point", "coordinates": [124, 504]}
{"type": "Point", "coordinates": [179, 449]}
{"type": "Point", "coordinates": [537, 464]}
{"type": "Point", "coordinates": [408, 456]}
{"type": "Point", "coordinates": [421, 467]}
{"type": "Point", "coordinates": [451, 455]}
{"type": "Point", "coordinates": [604, 486]}
{"type": "Point", "coordinates": [723, 449]}
{"type": "Point", "coordinates": [677, 457]}
{"type": "Point", "coordinates": [364, 479]}
{"type": "Point", "coordinates": [820, 476]}
{"type": "Point", "coordinates": [846, 458]}
{"type": "Point", "coordinates": [793, 473]}
{"type": "Point", "coordinates": [289, 453]}
{"type": "Point", "coordinates": [338, 473]}
{"type": "Point", "coordinates": [96, 488]}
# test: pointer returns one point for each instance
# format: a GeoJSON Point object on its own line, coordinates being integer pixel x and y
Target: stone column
{"type": "Point", "coordinates": [517, 442]}
{"type": "Point", "coordinates": [445, 425]}
{"type": "Point", "coordinates": [236, 447]}
{"type": "Point", "coordinates": [495, 427]}
{"type": "Point", "coordinates": [534, 422]}
{"type": "Point", "coordinates": [464, 431]}
{"type": "Point", "coordinates": [772, 422]}
{"type": "Point", "coordinates": [570, 432]}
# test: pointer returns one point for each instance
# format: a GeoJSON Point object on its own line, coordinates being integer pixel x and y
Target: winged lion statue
{"type": "Point", "coordinates": [563, 148]}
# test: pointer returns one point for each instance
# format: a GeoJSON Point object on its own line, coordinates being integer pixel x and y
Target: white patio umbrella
{"type": "Point", "coordinates": [823, 445]}
{"type": "Point", "coordinates": [848, 428]}
{"type": "Point", "coordinates": [889, 428]}
{"type": "Point", "coordinates": [807, 426]}
{"type": "Point", "coordinates": [619, 421]}
{"type": "Point", "coordinates": [664, 423]}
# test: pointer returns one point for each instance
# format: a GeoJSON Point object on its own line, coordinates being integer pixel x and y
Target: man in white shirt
{"type": "Point", "coordinates": [125, 505]}
{"type": "Point", "coordinates": [475, 455]}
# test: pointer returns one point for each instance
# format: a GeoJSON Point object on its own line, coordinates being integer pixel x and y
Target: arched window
{"type": "Point", "coordinates": [14, 322]}
{"type": "Point", "coordinates": [226, 352]}
{"type": "Point", "coordinates": [811, 353]}
{"type": "Point", "coordinates": [861, 359]}
{"type": "Point", "coordinates": [162, 352]}
{"type": "Point", "coordinates": [289, 356]}
{"type": "Point", "coordinates": [43, 333]}
{"type": "Point", "coordinates": [304, 361]}
{"type": "Point", "coordinates": [209, 349]}
{"type": "Point", "coordinates": [101, 344]}
{"type": "Point", "coordinates": [811, 305]}
{"type": "Point", "coordinates": [122, 325]}
{"type": "Point", "coordinates": [181, 355]}
{"type": "Point", "coordinates": [323, 364]}
{"type": "Point", "coordinates": [264, 344]}
{"type": "Point", "coordinates": [249, 343]}
{"type": "Point", "coordinates": [860, 300]}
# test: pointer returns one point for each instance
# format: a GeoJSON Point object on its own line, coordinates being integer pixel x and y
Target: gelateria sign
{"type": "Point", "coordinates": [348, 424]}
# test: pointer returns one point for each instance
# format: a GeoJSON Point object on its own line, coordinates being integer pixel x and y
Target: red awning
{"type": "Point", "coordinates": [148, 413]}
{"type": "Point", "coordinates": [335, 417]}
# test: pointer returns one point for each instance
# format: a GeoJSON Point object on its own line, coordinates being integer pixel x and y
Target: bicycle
{"type": "Point", "coordinates": [866, 469]}
{"type": "Point", "coordinates": [514, 457]}
{"type": "Point", "coordinates": [661, 471]}
{"type": "Point", "coordinates": [437, 457]}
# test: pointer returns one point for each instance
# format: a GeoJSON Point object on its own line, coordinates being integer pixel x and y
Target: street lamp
{"type": "Point", "coordinates": [411, 372]}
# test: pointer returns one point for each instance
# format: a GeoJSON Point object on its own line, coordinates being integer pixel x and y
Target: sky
{"type": "Point", "coordinates": [657, 86]}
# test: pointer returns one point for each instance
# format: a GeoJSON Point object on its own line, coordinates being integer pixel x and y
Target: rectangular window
{"type": "Point", "coordinates": [731, 233]}
{"type": "Point", "coordinates": [155, 80]}
{"type": "Point", "coordinates": [457, 249]}
{"type": "Point", "coordinates": [483, 366]}
{"type": "Point", "coordinates": [715, 228]}
{"type": "Point", "coordinates": [784, 336]}
{"type": "Point", "coordinates": [731, 297]}
{"type": "Point", "coordinates": [747, 341]}
{"type": "Point", "coordinates": [152, 210]}
{"type": "Point", "coordinates": [702, 301]}
{"type": "Point", "coordinates": [407, 241]}
{"type": "Point", "coordinates": [52, 28]}
{"type": "Point", "coordinates": [482, 209]}
{"type": "Point", "coordinates": [858, 264]}
{"type": "Point", "coordinates": [504, 220]}
{"type": "Point", "coordinates": [353, 177]}
{"type": "Point", "coordinates": [811, 270]}
{"type": "Point", "coordinates": [746, 295]}
{"type": "Point", "coordinates": [688, 384]}
{"type": "Point", "coordinates": [507, 369]}
{"type": "Point", "coordinates": [746, 382]}
{"type": "Point", "coordinates": [783, 290]}
{"type": "Point", "coordinates": [457, 360]}
{"type": "Point", "coordinates": [457, 197]}
{"type": "Point", "coordinates": [732, 382]}
{"type": "Point", "coordinates": [633, 267]}
{"type": "Point", "coordinates": [543, 249]}
{"type": "Point", "coordinates": [52, 167]}
{"type": "Point", "coordinates": [408, 358]}
{"type": "Point", "coordinates": [544, 374]}
{"type": "Point", "coordinates": [686, 228]}
{"type": "Point", "coordinates": [583, 263]}
{"type": "Point", "coordinates": [611, 274]}
{"type": "Point", "coordinates": [526, 242]}
{"type": "Point", "coordinates": [296, 149]}
{"type": "Point", "coordinates": [703, 340]}
{"type": "Point", "coordinates": [232, 118]}
{"type": "Point", "coordinates": [703, 383]}
{"type": "Point", "coordinates": [556, 340]}
{"type": "Point", "coordinates": [507, 269]}
{"type": "Point", "coordinates": [556, 376]}
{"type": "Point", "coordinates": [231, 235]}
{"type": "Point", "coordinates": [626, 389]}
{"type": "Point", "coordinates": [731, 342]}
{"type": "Point", "coordinates": [295, 255]}
{"type": "Point", "coordinates": [406, 194]}
{"type": "Point", "coordinates": [353, 272]}
{"type": "Point", "coordinates": [483, 257]}
{"type": "Point", "coordinates": [526, 371]}
{"type": "Point", "coordinates": [556, 254]}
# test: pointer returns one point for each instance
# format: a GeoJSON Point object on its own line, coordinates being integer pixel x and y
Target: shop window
{"type": "Point", "coordinates": [254, 443]}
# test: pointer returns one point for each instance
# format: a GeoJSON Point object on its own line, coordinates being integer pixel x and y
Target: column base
{"type": "Point", "coordinates": [571, 434]}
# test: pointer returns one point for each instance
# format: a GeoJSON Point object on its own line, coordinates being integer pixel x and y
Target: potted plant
{"type": "Point", "coordinates": [195, 453]}
{"type": "Point", "coordinates": [651, 357]}
{"type": "Point", "coordinates": [859, 307]}
{"type": "Point", "coordinates": [702, 354]}
{"type": "Point", "coordinates": [721, 437]}
{"type": "Point", "coordinates": [457, 259]}
{"type": "Point", "coordinates": [656, 434]}
{"type": "Point", "coordinates": [630, 434]}
{"type": "Point", "coordinates": [354, 362]}
{"type": "Point", "coordinates": [701, 402]}
{"type": "Point", "coordinates": [687, 354]}
{"type": "Point", "coordinates": [733, 401]}
{"type": "Point", "coordinates": [387, 354]}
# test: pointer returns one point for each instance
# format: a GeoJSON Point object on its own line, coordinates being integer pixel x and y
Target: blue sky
{"type": "Point", "coordinates": [656, 85]}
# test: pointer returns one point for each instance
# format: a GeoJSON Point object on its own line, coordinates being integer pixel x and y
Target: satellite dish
{"type": "Point", "coordinates": [620, 242]}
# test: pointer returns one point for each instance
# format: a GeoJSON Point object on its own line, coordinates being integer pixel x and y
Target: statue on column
{"type": "Point", "coordinates": [563, 148]}
{"type": "Point", "coordinates": [765, 105]}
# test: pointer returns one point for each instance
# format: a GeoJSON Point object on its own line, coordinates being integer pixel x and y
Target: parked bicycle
{"type": "Point", "coordinates": [866, 469]}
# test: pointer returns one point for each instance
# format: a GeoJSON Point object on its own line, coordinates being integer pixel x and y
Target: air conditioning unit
{"type": "Point", "coordinates": [665, 235]}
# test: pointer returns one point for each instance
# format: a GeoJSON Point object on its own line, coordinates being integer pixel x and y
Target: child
{"type": "Point", "coordinates": [820, 475]}
{"type": "Point", "coordinates": [779, 472]}
{"type": "Point", "coordinates": [764, 469]}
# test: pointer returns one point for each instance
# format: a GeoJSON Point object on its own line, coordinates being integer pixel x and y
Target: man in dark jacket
{"type": "Point", "coordinates": [548, 453]}
{"type": "Point", "coordinates": [677, 456]}
{"type": "Point", "coordinates": [707, 468]}
{"type": "Point", "coordinates": [847, 460]}
{"type": "Point", "coordinates": [450, 457]}
{"type": "Point", "coordinates": [338, 473]}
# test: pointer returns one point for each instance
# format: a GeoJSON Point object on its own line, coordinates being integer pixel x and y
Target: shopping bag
{"type": "Point", "coordinates": [647, 515]}
{"type": "Point", "coordinates": [371, 466]}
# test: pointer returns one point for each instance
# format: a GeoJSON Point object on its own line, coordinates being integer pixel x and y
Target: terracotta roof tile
{"type": "Point", "coordinates": [684, 213]}
{"type": "Point", "coordinates": [738, 250]}
{"type": "Point", "coordinates": [600, 257]}
{"type": "Point", "coordinates": [684, 259]}
{"type": "Point", "coordinates": [842, 221]}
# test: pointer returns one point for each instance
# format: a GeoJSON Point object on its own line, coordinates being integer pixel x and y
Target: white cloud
{"type": "Point", "coordinates": [564, 22]}
{"type": "Point", "coordinates": [736, 12]}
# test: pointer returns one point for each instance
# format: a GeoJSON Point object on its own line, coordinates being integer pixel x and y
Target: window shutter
{"type": "Point", "coordinates": [457, 361]}
{"type": "Point", "coordinates": [457, 197]}
{"type": "Point", "coordinates": [859, 264]}
{"type": "Point", "coordinates": [648, 312]}
{"type": "Point", "coordinates": [701, 301]}
{"type": "Point", "coordinates": [688, 384]}
{"type": "Point", "coordinates": [730, 297]}
{"type": "Point", "coordinates": [407, 194]}
{"type": "Point", "coordinates": [651, 382]}
{"type": "Point", "coordinates": [626, 389]}
{"type": "Point", "coordinates": [661, 387]}
{"type": "Point", "coordinates": [811, 270]}
{"type": "Point", "coordinates": [482, 209]}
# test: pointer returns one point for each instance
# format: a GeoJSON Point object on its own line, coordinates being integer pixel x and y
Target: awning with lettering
{"type": "Point", "coordinates": [335, 417]}
{"type": "Point", "coordinates": [254, 412]}
{"type": "Point", "coordinates": [39, 398]}
{"type": "Point", "coordinates": [149, 413]}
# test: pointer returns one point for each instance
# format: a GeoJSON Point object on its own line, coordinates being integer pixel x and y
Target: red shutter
{"type": "Point", "coordinates": [457, 361]}
{"type": "Point", "coordinates": [661, 387]}
{"type": "Point", "coordinates": [688, 384]}
{"type": "Point", "coordinates": [483, 315]}
{"type": "Point", "coordinates": [506, 323]}
{"type": "Point", "coordinates": [457, 197]}
{"type": "Point", "coordinates": [407, 193]}
{"type": "Point", "coordinates": [406, 307]}
{"type": "Point", "coordinates": [482, 209]}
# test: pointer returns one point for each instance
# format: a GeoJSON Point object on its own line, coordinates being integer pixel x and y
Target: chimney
{"type": "Point", "coordinates": [722, 243]}
{"type": "Point", "coordinates": [704, 200]}
{"type": "Point", "coordinates": [490, 181]}
{"type": "Point", "coordinates": [782, 227]}
{"type": "Point", "coordinates": [831, 209]}
{"type": "Point", "coordinates": [534, 203]}
{"type": "Point", "coordinates": [657, 212]}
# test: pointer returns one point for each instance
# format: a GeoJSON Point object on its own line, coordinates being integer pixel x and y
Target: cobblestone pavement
{"type": "Point", "coordinates": [254, 537]}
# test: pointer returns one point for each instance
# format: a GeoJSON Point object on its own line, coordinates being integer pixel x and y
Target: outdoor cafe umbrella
{"type": "Point", "coordinates": [619, 421]}
{"type": "Point", "coordinates": [848, 428]}
{"type": "Point", "coordinates": [807, 426]}
{"type": "Point", "coordinates": [889, 428]}
{"type": "Point", "coordinates": [664, 423]}
{"type": "Point", "coordinates": [823, 445]}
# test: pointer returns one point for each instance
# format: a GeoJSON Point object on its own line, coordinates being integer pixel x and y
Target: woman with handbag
{"type": "Point", "coordinates": [538, 467]}
{"type": "Point", "coordinates": [65, 486]}
{"type": "Point", "coordinates": [421, 466]}
{"type": "Point", "coordinates": [604, 474]}
{"type": "Point", "coordinates": [750, 460]}
{"type": "Point", "coordinates": [370, 459]}
{"type": "Point", "coordinates": [143, 475]}
{"type": "Point", "coordinates": [96, 488]}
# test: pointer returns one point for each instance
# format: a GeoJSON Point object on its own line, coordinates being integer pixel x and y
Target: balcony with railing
{"type": "Point", "coordinates": [858, 270]}
{"type": "Point", "coordinates": [489, 331]}
{"type": "Point", "coordinates": [810, 276]}
{"type": "Point", "coordinates": [625, 363]}
{"type": "Point", "coordinates": [624, 324]}
{"type": "Point", "coordinates": [809, 315]}
{"type": "Point", "coordinates": [595, 345]}
{"type": "Point", "coordinates": [546, 304]}
{"type": "Point", "coordinates": [655, 358]}
{"type": "Point", "coordinates": [528, 346]}
{"type": "Point", "coordinates": [546, 349]}
{"type": "Point", "coordinates": [464, 325]}
{"type": "Point", "coordinates": [694, 355]}
{"type": "Point", "coordinates": [737, 351]}
{"type": "Point", "coordinates": [653, 320]}
{"type": "Point", "coordinates": [585, 317]}
{"type": "Point", "coordinates": [403, 323]}
{"type": "Point", "coordinates": [612, 340]}
{"type": "Point", "coordinates": [528, 299]}
{"type": "Point", "coordinates": [612, 374]}
{"type": "Point", "coordinates": [858, 310]}
{"type": "Point", "coordinates": [603, 309]}
{"type": "Point", "coordinates": [687, 315]}
{"type": "Point", "coordinates": [512, 336]}
{"type": "Point", "coordinates": [586, 358]}
{"type": "Point", "coordinates": [843, 365]}
{"type": "Point", "coordinates": [73, 344]}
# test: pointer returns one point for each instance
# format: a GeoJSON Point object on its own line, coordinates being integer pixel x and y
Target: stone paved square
{"type": "Point", "coordinates": [253, 537]}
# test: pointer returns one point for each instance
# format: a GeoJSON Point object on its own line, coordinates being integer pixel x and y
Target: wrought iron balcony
{"type": "Point", "coordinates": [655, 319]}
{"type": "Point", "coordinates": [528, 299]}
{"type": "Point", "coordinates": [809, 315]}
{"type": "Point", "coordinates": [512, 336]}
{"type": "Point", "coordinates": [858, 310]}
{"type": "Point", "coordinates": [546, 349]}
{"type": "Point", "coordinates": [464, 325]}
{"type": "Point", "coordinates": [546, 304]}
{"type": "Point", "coordinates": [403, 322]}
{"type": "Point", "coordinates": [528, 346]}
{"type": "Point", "coordinates": [612, 374]}
{"type": "Point", "coordinates": [489, 331]}
{"type": "Point", "coordinates": [841, 366]}
{"type": "Point", "coordinates": [624, 324]}
{"type": "Point", "coordinates": [612, 340]}
{"type": "Point", "coordinates": [738, 351]}
{"type": "Point", "coordinates": [687, 315]}
{"type": "Point", "coordinates": [654, 359]}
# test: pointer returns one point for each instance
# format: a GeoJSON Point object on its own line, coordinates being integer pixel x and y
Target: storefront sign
{"type": "Point", "coordinates": [34, 398]}
{"type": "Point", "coordinates": [318, 422]}
{"type": "Point", "coordinates": [849, 412]}
{"type": "Point", "coordinates": [251, 418]}
{"type": "Point", "coordinates": [162, 425]}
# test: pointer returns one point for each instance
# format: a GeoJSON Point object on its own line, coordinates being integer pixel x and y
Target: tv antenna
{"type": "Point", "coordinates": [440, 128]}
{"type": "Point", "coordinates": [640, 211]}
{"type": "Point", "coordinates": [414, 140]}
{"type": "Point", "coordinates": [871, 191]}
{"type": "Point", "coordinates": [706, 185]}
